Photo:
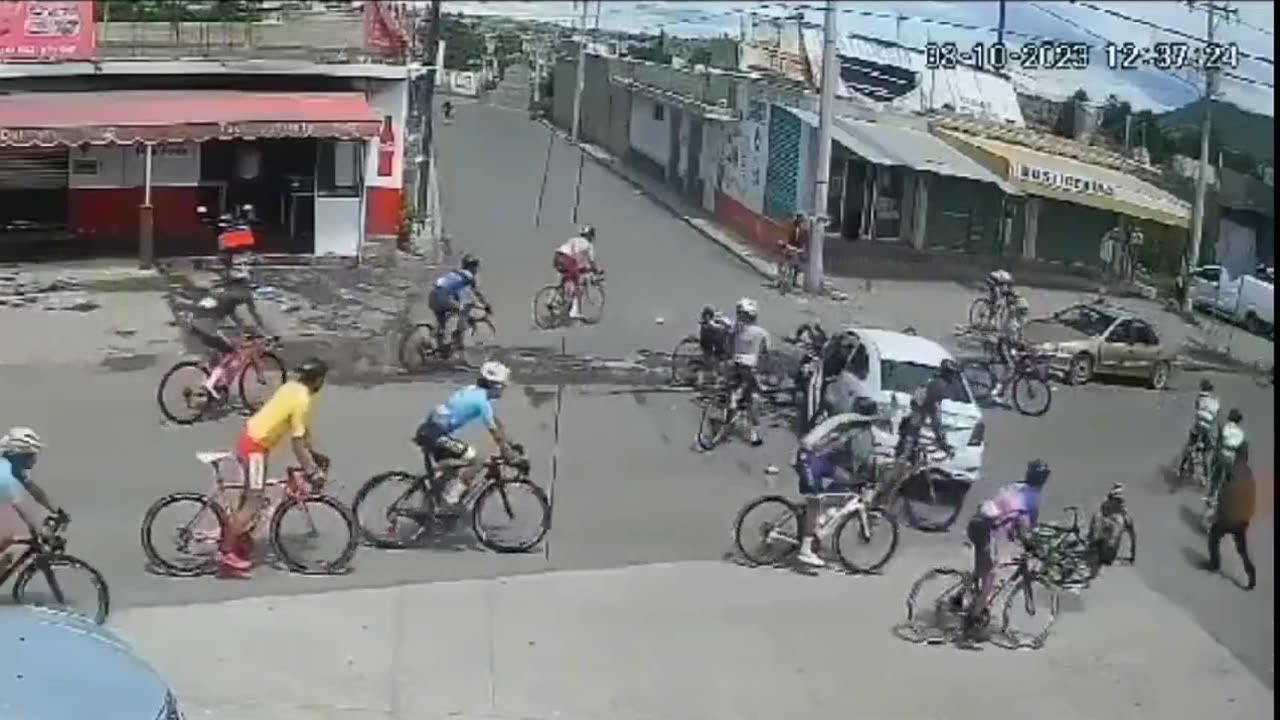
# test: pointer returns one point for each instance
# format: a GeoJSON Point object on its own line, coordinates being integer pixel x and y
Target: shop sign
{"type": "Point", "coordinates": [47, 30]}
{"type": "Point", "coordinates": [1065, 181]}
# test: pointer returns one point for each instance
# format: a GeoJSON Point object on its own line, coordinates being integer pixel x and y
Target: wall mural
{"type": "Point", "coordinates": [743, 153]}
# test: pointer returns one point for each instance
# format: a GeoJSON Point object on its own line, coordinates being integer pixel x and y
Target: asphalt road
{"type": "Point", "coordinates": [628, 489]}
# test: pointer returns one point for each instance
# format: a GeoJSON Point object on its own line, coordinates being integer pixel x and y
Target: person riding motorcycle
{"type": "Point", "coordinates": [747, 344]}
{"type": "Point", "coordinates": [219, 305]}
{"type": "Point", "coordinates": [446, 297]}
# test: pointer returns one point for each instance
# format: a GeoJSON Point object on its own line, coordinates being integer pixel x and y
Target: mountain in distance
{"type": "Point", "coordinates": [1239, 129]}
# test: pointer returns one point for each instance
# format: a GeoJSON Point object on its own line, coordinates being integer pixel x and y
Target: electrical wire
{"type": "Point", "coordinates": [1167, 30]}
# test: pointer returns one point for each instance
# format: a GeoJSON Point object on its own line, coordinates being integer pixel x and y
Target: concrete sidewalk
{"type": "Point", "coordinates": [690, 641]}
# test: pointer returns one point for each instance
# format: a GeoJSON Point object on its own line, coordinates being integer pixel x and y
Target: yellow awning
{"type": "Point", "coordinates": [1072, 181]}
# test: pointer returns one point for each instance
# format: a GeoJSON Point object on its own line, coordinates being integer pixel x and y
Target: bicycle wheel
{"type": "Point", "coordinates": [686, 363]}
{"type": "Point", "coordinates": [929, 499]}
{"type": "Point", "coordinates": [188, 379]}
{"type": "Point", "coordinates": [592, 304]}
{"type": "Point", "coordinates": [59, 588]}
{"type": "Point", "coordinates": [550, 308]}
{"type": "Point", "coordinates": [980, 313]}
{"type": "Point", "coordinates": [936, 604]}
{"type": "Point", "coordinates": [259, 379]}
{"type": "Point", "coordinates": [713, 427]}
{"type": "Point", "coordinates": [502, 501]}
{"type": "Point", "coordinates": [297, 549]}
{"type": "Point", "coordinates": [1037, 599]}
{"type": "Point", "coordinates": [200, 523]}
{"type": "Point", "coordinates": [1031, 395]}
{"type": "Point", "coordinates": [864, 532]}
{"type": "Point", "coordinates": [773, 535]}
{"type": "Point", "coordinates": [417, 348]}
{"type": "Point", "coordinates": [982, 378]}
{"type": "Point", "coordinates": [405, 517]}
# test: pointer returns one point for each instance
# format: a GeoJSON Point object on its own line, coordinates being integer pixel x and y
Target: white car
{"type": "Point", "coordinates": [1244, 299]}
{"type": "Point", "coordinates": [897, 365]}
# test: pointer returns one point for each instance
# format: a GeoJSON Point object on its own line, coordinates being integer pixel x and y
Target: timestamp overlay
{"type": "Point", "coordinates": [1172, 56]}
{"type": "Point", "coordinates": [1048, 55]}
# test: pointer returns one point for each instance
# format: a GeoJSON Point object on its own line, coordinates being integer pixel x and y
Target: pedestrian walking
{"type": "Point", "coordinates": [1236, 506]}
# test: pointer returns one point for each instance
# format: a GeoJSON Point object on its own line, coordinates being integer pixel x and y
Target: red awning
{"type": "Point", "coordinates": [131, 116]}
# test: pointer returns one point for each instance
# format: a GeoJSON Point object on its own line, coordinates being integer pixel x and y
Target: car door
{"type": "Point", "coordinates": [1116, 348]}
{"type": "Point", "coordinates": [1145, 349]}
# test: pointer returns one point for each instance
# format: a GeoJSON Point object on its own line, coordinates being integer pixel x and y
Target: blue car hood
{"type": "Point", "coordinates": [58, 666]}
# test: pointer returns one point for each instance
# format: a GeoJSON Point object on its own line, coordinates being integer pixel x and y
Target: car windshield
{"type": "Point", "coordinates": [906, 377]}
{"type": "Point", "coordinates": [1085, 319]}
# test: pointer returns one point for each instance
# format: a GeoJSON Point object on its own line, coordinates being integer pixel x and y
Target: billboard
{"type": "Point", "coordinates": [47, 30]}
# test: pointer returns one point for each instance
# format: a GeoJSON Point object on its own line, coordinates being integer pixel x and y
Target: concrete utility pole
{"type": "Point", "coordinates": [427, 97]}
{"type": "Point", "coordinates": [1000, 26]}
{"type": "Point", "coordinates": [818, 225]}
{"type": "Point", "coordinates": [1202, 177]}
{"type": "Point", "coordinates": [581, 80]}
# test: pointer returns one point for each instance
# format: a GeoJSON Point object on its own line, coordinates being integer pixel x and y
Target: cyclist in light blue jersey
{"type": "Point", "coordinates": [473, 403]}
{"type": "Point", "coordinates": [446, 297]}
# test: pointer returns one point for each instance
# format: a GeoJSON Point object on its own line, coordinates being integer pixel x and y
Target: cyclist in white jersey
{"type": "Point", "coordinates": [747, 344]}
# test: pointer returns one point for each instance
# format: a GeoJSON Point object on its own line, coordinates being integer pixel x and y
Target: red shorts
{"type": "Point", "coordinates": [252, 457]}
{"type": "Point", "coordinates": [567, 267]}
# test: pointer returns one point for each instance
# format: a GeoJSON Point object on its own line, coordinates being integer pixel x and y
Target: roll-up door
{"type": "Point", "coordinates": [33, 168]}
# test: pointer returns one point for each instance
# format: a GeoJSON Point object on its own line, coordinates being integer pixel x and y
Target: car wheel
{"type": "Point", "coordinates": [1159, 375]}
{"type": "Point", "coordinates": [1081, 370]}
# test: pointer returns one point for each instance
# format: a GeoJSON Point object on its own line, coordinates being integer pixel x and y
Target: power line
{"type": "Point", "coordinates": [1167, 30]}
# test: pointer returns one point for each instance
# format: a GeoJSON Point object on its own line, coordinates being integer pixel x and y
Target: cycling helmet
{"type": "Point", "coordinates": [1235, 416]}
{"type": "Point", "coordinates": [312, 371]}
{"type": "Point", "coordinates": [495, 373]}
{"type": "Point", "coordinates": [588, 232]}
{"type": "Point", "coordinates": [1021, 306]}
{"type": "Point", "coordinates": [1002, 276]}
{"type": "Point", "coordinates": [747, 306]}
{"type": "Point", "coordinates": [21, 441]}
{"type": "Point", "coordinates": [1037, 473]}
{"type": "Point", "coordinates": [1116, 492]}
{"type": "Point", "coordinates": [708, 312]}
{"type": "Point", "coordinates": [1206, 386]}
{"type": "Point", "coordinates": [949, 368]}
{"type": "Point", "coordinates": [470, 263]}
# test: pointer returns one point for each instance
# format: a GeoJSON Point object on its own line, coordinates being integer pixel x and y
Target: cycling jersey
{"type": "Point", "coordinates": [1206, 410]}
{"type": "Point", "coordinates": [748, 342]}
{"type": "Point", "coordinates": [288, 412]}
{"type": "Point", "coordinates": [582, 250]}
{"type": "Point", "coordinates": [11, 487]}
{"type": "Point", "coordinates": [1230, 441]}
{"type": "Point", "coordinates": [455, 282]}
{"type": "Point", "coordinates": [926, 408]}
{"type": "Point", "coordinates": [464, 407]}
{"type": "Point", "coordinates": [1014, 503]}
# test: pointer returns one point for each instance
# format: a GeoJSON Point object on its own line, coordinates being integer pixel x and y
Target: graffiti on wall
{"type": "Point", "coordinates": [743, 152]}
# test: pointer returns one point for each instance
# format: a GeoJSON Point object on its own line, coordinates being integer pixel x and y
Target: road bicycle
{"type": "Point", "coordinates": [1027, 380]}
{"type": "Point", "coordinates": [989, 311]}
{"type": "Point", "coordinates": [938, 616]}
{"type": "Point", "coordinates": [1193, 466]}
{"type": "Point", "coordinates": [253, 366]}
{"type": "Point", "coordinates": [787, 271]}
{"type": "Point", "coordinates": [1069, 562]}
{"type": "Point", "coordinates": [774, 537]}
{"type": "Point", "coordinates": [419, 508]}
{"type": "Point", "coordinates": [551, 304]}
{"type": "Point", "coordinates": [722, 414]}
{"type": "Point", "coordinates": [922, 489]}
{"type": "Point", "coordinates": [203, 519]}
{"type": "Point", "coordinates": [43, 569]}
{"type": "Point", "coordinates": [691, 364]}
{"type": "Point", "coordinates": [419, 351]}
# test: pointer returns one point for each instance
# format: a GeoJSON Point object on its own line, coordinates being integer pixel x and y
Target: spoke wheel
{"type": "Point", "coordinates": [686, 363]}
{"type": "Point", "coordinates": [404, 512]}
{"type": "Point", "coordinates": [259, 379]}
{"type": "Point", "coordinates": [930, 501]}
{"type": "Point", "coordinates": [713, 427]}
{"type": "Point", "coordinates": [503, 505]}
{"type": "Point", "coordinates": [767, 530]}
{"type": "Point", "coordinates": [417, 348]}
{"type": "Point", "coordinates": [1031, 395]}
{"type": "Point", "coordinates": [309, 521]}
{"type": "Point", "coordinates": [550, 308]}
{"type": "Point", "coordinates": [182, 396]}
{"type": "Point", "coordinates": [63, 582]}
{"type": "Point", "coordinates": [936, 605]}
{"type": "Point", "coordinates": [592, 303]}
{"type": "Point", "coordinates": [982, 378]}
{"type": "Point", "coordinates": [1032, 607]}
{"type": "Point", "coordinates": [980, 313]}
{"type": "Point", "coordinates": [190, 547]}
{"type": "Point", "coordinates": [865, 544]}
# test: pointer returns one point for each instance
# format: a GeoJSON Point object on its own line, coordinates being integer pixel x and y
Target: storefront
{"type": "Point", "coordinates": [104, 172]}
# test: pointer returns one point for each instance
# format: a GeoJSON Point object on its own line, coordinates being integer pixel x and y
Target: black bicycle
{"type": "Point", "coordinates": [1027, 380]}
{"type": "Point", "coordinates": [419, 350]}
{"type": "Point", "coordinates": [42, 573]}
{"type": "Point", "coordinates": [419, 509]}
{"type": "Point", "coordinates": [1069, 562]}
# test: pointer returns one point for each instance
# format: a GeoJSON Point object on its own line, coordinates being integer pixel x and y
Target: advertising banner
{"type": "Point", "coordinates": [47, 30]}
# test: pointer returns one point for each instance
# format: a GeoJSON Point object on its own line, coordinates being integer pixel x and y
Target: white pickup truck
{"type": "Point", "coordinates": [1245, 299]}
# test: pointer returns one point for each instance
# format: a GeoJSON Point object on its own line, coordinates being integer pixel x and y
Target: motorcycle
{"type": "Point", "coordinates": [234, 231]}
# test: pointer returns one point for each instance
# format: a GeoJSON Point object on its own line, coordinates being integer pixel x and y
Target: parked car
{"type": "Point", "coordinates": [1095, 339]}
{"type": "Point", "coordinates": [60, 666]}
{"type": "Point", "coordinates": [1248, 300]}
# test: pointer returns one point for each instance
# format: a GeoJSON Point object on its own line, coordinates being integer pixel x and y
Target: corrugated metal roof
{"type": "Point", "coordinates": [891, 146]}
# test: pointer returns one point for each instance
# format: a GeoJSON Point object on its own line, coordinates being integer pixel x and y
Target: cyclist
{"type": "Point", "coordinates": [215, 309]}
{"type": "Point", "coordinates": [841, 444]}
{"type": "Point", "coordinates": [925, 409]}
{"type": "Point", "coordinates": [446, 297]}
{"type": "Point", "coordinates": [436, 436]}
{"type": "Point", "coordinates": [1015, 508]}
{"type": "Point", "coordinates": [845, 366]}
{"type": "Point", "coordinates": [748, 342]}
{"type": "Point", "coordinates": [574, 257]}
{"type": "Point", "coordinates": [286, 414]}
{"type": "Point", "coordinates": [714, 329]}
{"type": "Point", "coordinates": [1206, 417]}
{"type": "Point", "coordinates": [19, 448]}
{"type": "Point", "coordinates": [794, 245]}
{"type": "Point", "coordinates": [1009, 341]}
{"type": "Point", "coordinates": [447, 107]}
{"type": "Point", "coordinates": [1231, 444]}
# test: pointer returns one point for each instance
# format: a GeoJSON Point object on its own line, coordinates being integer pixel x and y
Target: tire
{"type": "Point", "coordinates": [499, 495]}
{"type": "Point", "coordinates": [1080, 370]}
{"type": "Point", "coordinates": [478, 344]}
{"type": "Point", "coordinates": [186, 414]}
{"type": "Point", "coordinates": [786, 543]}
{"type": "Point", "coordinates": [1159, 376]}
{"type": "Point", "coordinates": [295, 560]}
{"type": "Point", "coordinates": [424, 512]}
{"type": "Point", "coordinates": [1027, 391]}
{"type": "Point", "coordinates": [714, 425]}
{"type": "Point", "coordinates": [980, 313]}
{"type": "Point", "coordinates": [549, 308]}
{"type": "Point", "coordinates": [269, 368]}
{"type": "Point", "coordinates": [938, 615]}
{"type": "Point", "coordinates": [877, 521]}
{"type": "Point", "coordinates": [686, 362]}
{"type": "Point", "coordinates": [417, 348]}
{"type": "Point", "coordinates": [202, 506]}
{"type": "Point", "coordinates": [923, 490]}
{"type": "Point", "coordinates": [592, 303]}
{"type": "Point", "coordinates": [981, 376]}
{"type": "Point", "coordinates": [1020, 599]}
{"type": "Point", "coordinates": [50, 567]}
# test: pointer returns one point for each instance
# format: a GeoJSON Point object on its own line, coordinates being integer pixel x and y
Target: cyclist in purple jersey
{"type": "Point", "coordinates": [1015, 508]}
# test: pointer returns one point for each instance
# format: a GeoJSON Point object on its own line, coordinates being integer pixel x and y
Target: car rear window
{"type": "Point", "coordinates": [907, 377]}
{"type": "Point", "coordinates": [1085, 319]}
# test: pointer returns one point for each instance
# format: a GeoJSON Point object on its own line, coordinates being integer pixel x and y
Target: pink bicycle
{"type": "Point", "coordinates": [253, 367]}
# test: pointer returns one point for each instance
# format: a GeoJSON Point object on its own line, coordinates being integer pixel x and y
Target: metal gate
{"type": "Point", "coordinates": [33, 168]}
{"type": "Point", "coordinates": [782, 171]}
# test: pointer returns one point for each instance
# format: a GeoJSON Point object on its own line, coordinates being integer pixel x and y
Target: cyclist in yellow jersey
{"type": "Point", "coordinates": [286, 414]}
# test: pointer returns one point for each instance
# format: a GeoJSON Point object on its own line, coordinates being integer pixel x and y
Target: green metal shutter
{"type": "Point", "coordinates": [782, 171]}
{"type": "Point", "coordinates": [1071, 234]}
{"type": "Point", "coordinates": [33, 168]}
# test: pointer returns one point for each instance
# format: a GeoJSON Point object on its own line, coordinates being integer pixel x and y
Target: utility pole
{"type": "Point", "coordinates": [818, 224]}
{"type": "Point", "coordinates": [426, 98]}
{"type": "Point", "coordinates": [581, 80]}
{"type": "Point", "coordinates": [1000, 26]}
{"type": "Point", "coordinates": [1202, 178]}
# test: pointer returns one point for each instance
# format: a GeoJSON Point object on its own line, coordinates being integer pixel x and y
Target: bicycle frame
{"type": "Point", "coordinates": [294, 484]}
{"type": "Point", "coordinates": [33, 548]}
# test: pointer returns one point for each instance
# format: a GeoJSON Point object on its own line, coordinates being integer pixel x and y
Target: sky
{"type": "Point", "coordinates": [919, 23]}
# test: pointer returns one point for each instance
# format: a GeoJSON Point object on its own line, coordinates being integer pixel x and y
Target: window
{"type": "Point", "coordinates": [1209, 274]}
{"type": "Point", "coordinates": [1085, 319]}
{"type": "Point", "coordinates": [1143, 334]}
{"type": "Point", "coordinates": [338, 171]}
{"type": "Point", "coordinates": [1121, 333]}
{"type": "Point", "coordinates": [659, 112]}
{"type": "Point", "coordinates": [907, 377]}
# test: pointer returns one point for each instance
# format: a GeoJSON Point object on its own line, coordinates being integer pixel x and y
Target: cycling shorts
{"type": "Point", "coordinates": [438, 445]}
{"type": "Point", "coordinates": [443, 304]}
{"type": "Point", "coordinates": [744, 377]}
{"type": "Point", "coordinates": [207, 332]}
{"type": "Point", "coordinates": [252, 457]}
{"type": "Point", "coordinates": [979, 533]}
{"type": "Point", "coordinates": [567, 266]}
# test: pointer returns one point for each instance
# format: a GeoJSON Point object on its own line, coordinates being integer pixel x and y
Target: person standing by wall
{"type": "Point", "coordinates": [1235, 510]}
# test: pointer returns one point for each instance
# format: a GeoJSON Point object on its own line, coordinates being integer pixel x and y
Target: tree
{"type": "Point", "coordinates": [1111, 124]}
{"type": "Point", "coordinates": [463, 44]}
{"type": "Point", "coordinates": [1065, 125]}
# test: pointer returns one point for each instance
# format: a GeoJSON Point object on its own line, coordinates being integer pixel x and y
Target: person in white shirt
{"type": "Point", "coordinates": [576, 256]}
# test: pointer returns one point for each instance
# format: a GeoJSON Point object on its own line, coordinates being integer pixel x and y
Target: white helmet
{"type": "Point", "coordinates": [1002, 276]}
{"type": "Point", "coordinates": [21, 440]}
{"type": "Point", "coordinates": [1021, 305]}
{"type": "Point", "coordinates": [747, 306]}
{"type": "Point", "coordinates": [495, 372]}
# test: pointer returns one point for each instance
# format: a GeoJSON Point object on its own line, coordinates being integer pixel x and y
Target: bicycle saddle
{"type": "Point", "coordinates": [212, 458]}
